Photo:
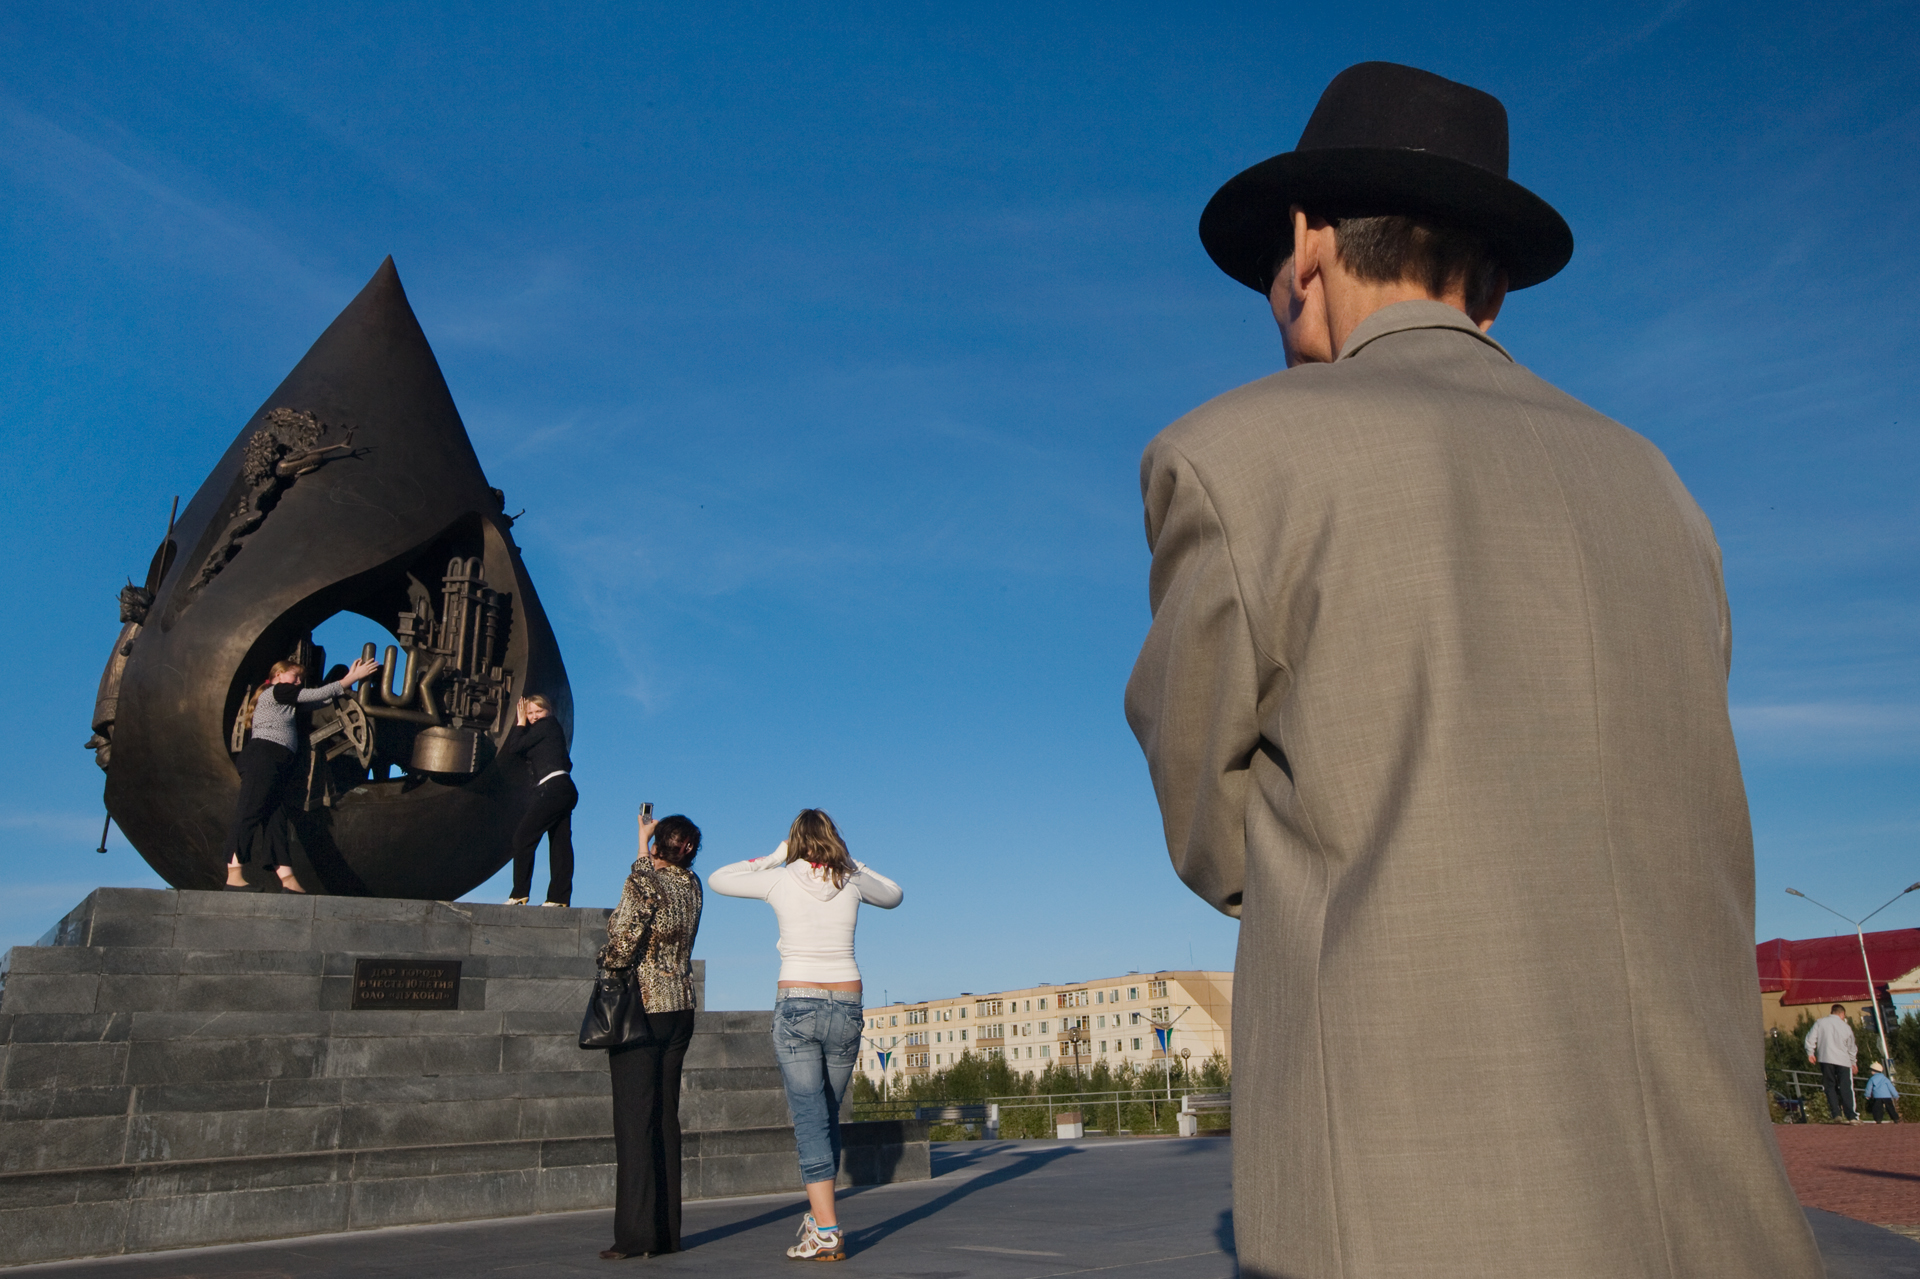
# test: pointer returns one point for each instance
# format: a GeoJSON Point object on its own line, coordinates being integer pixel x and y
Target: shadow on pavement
{"type": "Point", "coordinates": [1029, 1162]}
{"type": "Point", "coordinates": [1879, 1172]}
{"type": "Point", "coordinates": [1223, 1233]}
{"type": "Point", "coordinates": [947, 1159]}
{"type": "Point", "coordinates": [787, 1211]}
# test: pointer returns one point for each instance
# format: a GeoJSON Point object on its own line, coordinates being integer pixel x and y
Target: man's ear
{"type": "Point", "coordinates": [1306, 252]}
{"type": "Point", "coordinates": [1491, 311]}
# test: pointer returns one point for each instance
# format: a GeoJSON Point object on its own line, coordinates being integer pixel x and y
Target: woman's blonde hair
{"type": "Point", "coordinates": [540, 700]}
{"type": "Point", "coordinates": [813, 838]}
{"type": "Point", "coordinates": [282, 668]}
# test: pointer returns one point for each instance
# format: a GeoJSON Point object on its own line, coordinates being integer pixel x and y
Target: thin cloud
{"type": "Point", "coordinates": [1830, 727]}
{"type": "Point", "coordinates": [128, 200]}
{"type": "Point", "coordinates": [61, 826]}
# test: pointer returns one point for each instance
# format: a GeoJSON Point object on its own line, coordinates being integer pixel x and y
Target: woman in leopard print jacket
{"type": "Point", "coordinates": [650, 940]}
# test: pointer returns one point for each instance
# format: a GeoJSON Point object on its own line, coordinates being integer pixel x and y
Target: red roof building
{"type": "Point", "coordinates": [1798, 977]}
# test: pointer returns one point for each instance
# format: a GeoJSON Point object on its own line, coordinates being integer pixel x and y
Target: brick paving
{"type": "Point", "coordinates": [1870, 1172]}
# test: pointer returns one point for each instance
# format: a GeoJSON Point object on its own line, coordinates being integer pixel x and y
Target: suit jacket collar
{"type": "Point", "coordinates": [1402, 316]}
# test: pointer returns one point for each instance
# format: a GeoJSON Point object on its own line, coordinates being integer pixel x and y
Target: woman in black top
{"type": "Point", "coordinates": [537, 744]}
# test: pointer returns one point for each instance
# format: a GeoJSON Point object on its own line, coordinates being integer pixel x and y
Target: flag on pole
{"type": "Point", "coordinates": [1165, 1035]}
{"type": "Point", "coordinates": [884, 1057]}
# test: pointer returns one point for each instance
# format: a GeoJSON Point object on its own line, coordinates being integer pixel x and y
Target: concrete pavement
{"type": "Point", "coordinates": [1009, 1209]}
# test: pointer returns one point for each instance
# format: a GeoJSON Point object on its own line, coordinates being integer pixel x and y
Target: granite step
{"type": "Point", "coordinates": [181, 1068]}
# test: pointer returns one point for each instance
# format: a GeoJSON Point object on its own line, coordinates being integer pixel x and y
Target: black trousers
{"type": "Point", "coordinates": [1882, 1108]}
{"type": "Point", "coordinates": [646, 1137]}
{"type": "Point", "coordinates": [264, 767]}
{"type": "Point", "coordinates": [1837, 1079]}
{"type": "Point", "coordinates": [551, 814]}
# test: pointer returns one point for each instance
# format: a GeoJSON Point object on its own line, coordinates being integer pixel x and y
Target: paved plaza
{"type": "Point", "coordinates": [1007, 1209]}
{"type": "Point", "coordinates": [1870, 1172]}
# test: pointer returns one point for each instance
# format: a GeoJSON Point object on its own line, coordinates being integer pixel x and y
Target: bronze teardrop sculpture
{"type": "Point", "coordinates": [354, 489]}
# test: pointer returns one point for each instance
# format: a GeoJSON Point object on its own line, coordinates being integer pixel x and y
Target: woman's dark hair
{"type": "Point", "coordinates": [676, 840]}
{"type": "Point", "coordinates": [814, 839]}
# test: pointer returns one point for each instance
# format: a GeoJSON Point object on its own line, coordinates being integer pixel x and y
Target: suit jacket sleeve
{"type": "Point", "coordinates": [1193, 697]}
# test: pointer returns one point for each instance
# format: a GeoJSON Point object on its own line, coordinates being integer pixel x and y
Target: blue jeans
{"type": "Point", "coordinates": [817, 1041]}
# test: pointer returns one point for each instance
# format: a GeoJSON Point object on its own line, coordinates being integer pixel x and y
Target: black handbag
{"type": "Point", "coordinates": [616, 1015]}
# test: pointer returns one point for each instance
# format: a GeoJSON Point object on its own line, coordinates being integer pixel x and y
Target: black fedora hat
{"type": "Point", "coordinates": [1388, 139]}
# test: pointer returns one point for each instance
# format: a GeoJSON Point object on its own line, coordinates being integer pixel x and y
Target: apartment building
{"type": "Point", "coordinates": [1110, 1020]}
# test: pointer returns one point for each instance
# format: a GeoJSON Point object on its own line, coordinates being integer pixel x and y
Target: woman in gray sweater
{"type": "Point", "coordinates": [265, 762]}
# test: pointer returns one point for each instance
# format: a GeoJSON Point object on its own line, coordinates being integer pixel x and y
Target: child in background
{"type": "Point", "coordinates": [1881, 1094]}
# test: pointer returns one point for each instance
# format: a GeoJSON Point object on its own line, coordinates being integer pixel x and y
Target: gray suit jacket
{"type": "Point", "coordinates": [1434, 700]}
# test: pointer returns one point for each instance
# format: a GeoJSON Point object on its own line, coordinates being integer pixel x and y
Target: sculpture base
{"type": "Point", "coordinates": [181, 1068]}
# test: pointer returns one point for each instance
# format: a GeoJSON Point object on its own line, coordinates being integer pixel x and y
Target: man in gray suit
{"type": "Point", "coordinates": [1434, 701]}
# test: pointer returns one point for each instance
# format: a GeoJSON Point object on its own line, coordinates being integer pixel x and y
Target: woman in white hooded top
{"type": "Point", "coordinates": [815, 888]}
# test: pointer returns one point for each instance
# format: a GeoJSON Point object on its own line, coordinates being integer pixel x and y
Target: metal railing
{"type": "Point", "coordinates": [1807, 1084]}
{"type": "Point", "coordinates": [1124, 1109]}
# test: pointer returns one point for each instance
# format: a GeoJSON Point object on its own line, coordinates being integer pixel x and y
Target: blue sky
{"type": "Point", "coordinates": [820, 344]}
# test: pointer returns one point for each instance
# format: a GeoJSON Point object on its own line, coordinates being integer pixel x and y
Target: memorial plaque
{"type": "Point", "coordinates": [411, 984]}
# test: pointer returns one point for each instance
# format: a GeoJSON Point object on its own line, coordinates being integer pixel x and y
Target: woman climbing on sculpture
{"type": "Point", "coordinates": [537, 747]}
{"type": "Point", "coordinates": [815, 888]}
{"type": "Point", "coordinates": [265, 762]}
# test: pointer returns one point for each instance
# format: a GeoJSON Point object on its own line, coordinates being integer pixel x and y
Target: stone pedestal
{"type": "Point", "coordinates": [182, 1068]}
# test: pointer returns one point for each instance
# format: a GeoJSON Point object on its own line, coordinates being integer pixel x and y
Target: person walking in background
{"type": "Point", "coordinates": [816, 889]}
{"type": "Point", "coordinates": [1434, 700]}
{"type": "Point", "coordinates": [1882, 1096]}
{"type": "Point", "coordinates": [650, 942]}
{"type": "Point", "coordinates": [536, 748]}
{"type": "Point", "coordinates": [1831, 1046]}
{"type": "Point", "coordinates": [266, 760]}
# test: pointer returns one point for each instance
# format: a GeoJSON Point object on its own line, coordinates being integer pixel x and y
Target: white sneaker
{"type": "Point", "coordinates": [817, 1244]}
{"type": "Point", "coordinates": [516, 901]}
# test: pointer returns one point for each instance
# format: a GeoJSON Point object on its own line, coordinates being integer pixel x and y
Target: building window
{"type": "Point", "coordinates": [963, 1036]}
{"type": "Point", "coordinates": [1156, 990]}
{"type": "Point", "coordinates": [1099, 996]}
{"type": "Point", "coordinates": [991, 1007]}
{"type": "Point", "coordinates": [1133, 1019]}
{"type": "Point", "coordinates": [1159, 1014]}
{"type": "Point", "coordinates": [1043, 1027]}
{"type": "Point", "coordinates": [1136, 1045]}
{"type": "Point", "coordinates": [1046, 1050]}
{"type": "Point", "coordinates": [1133, 992]}
{"type": "Point", "coordinates": [916, 1016]}
{"type": "Point", "coordinates": [895, 1020]}
{"type": "Point", "coordinates": [995, 1053]}
{"type": "Point", "coordinates": [963, 1014]}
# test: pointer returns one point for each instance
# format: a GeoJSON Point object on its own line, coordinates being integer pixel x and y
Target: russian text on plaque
{"type": "Point", "coordinates": [412, 984]}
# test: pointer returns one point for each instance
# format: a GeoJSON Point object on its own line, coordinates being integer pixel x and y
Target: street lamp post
{"type": "Point", "coordinates": [885, 1059]}
{"type": "Point", "coordinates": [1860, 934]}
{"type": "Point", "coordinates": [1164, 1030]}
